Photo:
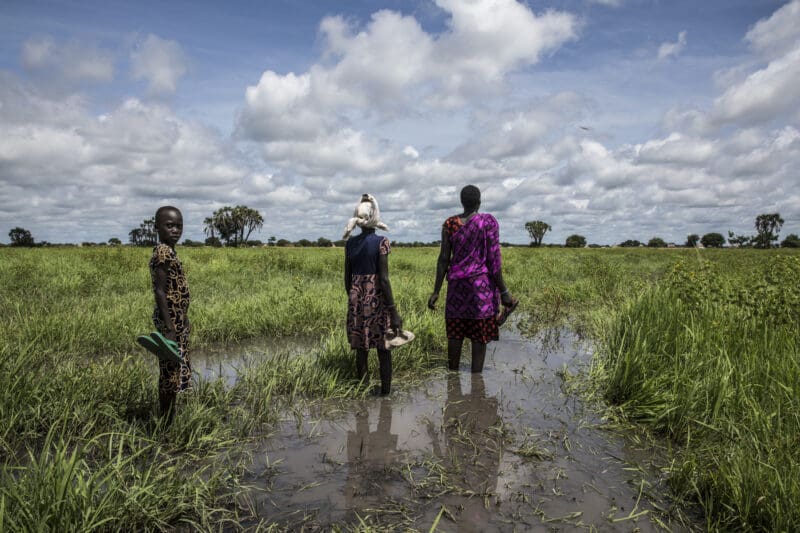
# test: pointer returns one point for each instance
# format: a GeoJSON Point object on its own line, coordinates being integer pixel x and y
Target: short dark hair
{"type": "Point", "coordinates": [470, 197]}
{"type": "Point", "coordinates": [163, 209]}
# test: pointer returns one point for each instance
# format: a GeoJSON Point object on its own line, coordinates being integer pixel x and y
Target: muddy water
{"type": "Point", "coordinates": [227, 360]}
{"type": "Point", "coordinates": [505, 450]}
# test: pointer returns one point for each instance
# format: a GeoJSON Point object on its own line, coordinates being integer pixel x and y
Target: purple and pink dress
{"type": "Point", "coordinates": [367, 316]}
{"type": "Point", "coordinates": [472, 297]}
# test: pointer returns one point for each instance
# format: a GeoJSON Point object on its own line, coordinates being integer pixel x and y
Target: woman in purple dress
{"type": "Point", "coordinates": [470, 257]}
{"type": "Point", "coordinates": [370, 310]}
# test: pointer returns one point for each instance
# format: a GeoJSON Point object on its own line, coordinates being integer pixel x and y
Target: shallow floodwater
{"type": "Point", "coordinates": [226, 360]}
{"type": "Point", "coordinates": [506, 450]}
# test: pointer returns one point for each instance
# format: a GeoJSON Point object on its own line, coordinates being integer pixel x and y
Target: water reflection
{"type": "Point", "coordinates": [379, 446]}
{"type": "Point", "coordinates": [461, 444]}
{"type": "Point", "coordinates": [227, 360]}
{"type": "Point", "coordinates": [369, 456]}
{"type": "Point", "coordinates": [472, 448]}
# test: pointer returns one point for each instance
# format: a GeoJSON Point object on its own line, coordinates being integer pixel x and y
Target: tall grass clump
{"type": "Point", "coordinates": [710, 357]}
{"type": "Point", "coordinates": [112, 481]}
{"type": "Point", "coordinates": [81, 449]}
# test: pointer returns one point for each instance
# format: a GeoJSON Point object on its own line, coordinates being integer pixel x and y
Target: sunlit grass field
{"type": "Point", "coordinates": [701, 347]}
{"type": "Point", "coordinates": [710, 358]}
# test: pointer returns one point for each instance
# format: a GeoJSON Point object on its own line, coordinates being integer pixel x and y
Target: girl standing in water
{"type": "Point", "coordinates": [371, 311]}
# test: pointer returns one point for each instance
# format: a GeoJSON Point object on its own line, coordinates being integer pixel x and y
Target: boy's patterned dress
{"type": "Point", "coordinates": [174, 377]}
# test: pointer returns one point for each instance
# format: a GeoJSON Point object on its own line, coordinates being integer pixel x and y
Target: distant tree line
{"type": "Point", "coordinates": [233, 226]}
{"type": "Point", "coordinates": [767, 227]}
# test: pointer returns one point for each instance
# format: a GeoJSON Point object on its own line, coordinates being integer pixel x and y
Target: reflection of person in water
{"type": "Point", "coordinates": [368, 454]}
{"type": "Point", "coordinates": [471, 448]}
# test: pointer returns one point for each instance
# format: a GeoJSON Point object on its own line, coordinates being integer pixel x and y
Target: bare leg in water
{"type": "Point", "coordinates": [454, 354]}
{"type": "Point", "coordinates": [166, 402]}
{"type": "Point", "coordinates": [385, 368]}
{"type": "Point", "coordinates": [478, 356]}
{"type": "Point", "coordinates": [361, 363]}
{"type": "Point", "coordinates": [385, 361]}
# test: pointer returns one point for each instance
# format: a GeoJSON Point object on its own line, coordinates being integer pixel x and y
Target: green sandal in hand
{"type": "Point", "coordinates": [161, 347]}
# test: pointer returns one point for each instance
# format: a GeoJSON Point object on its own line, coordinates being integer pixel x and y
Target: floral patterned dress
{"type": "Point", "coordinates": [173, 377]}
{"type": "Point", "coordinates": [368, 319]}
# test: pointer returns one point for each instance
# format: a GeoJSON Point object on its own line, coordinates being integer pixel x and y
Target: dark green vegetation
{"type": "Point", "coordinates": [710, 358]}
{"type": "Point", "coordinates": [791, 241]}
{"type": "Point", "coordinates": [145, 234]}
{"type": "Point", "coordinates": [20, 237]}
{"type": "Point", "coordinates": [704, 352]}
{"type": "Point", "coordinates": [713, 240]}
{"type": "Point", "coordinates": [232, 225]}
{"type": "Point", "coordinates": [575, 241]}
{"type": "Point", "coordinates": [536, 229]}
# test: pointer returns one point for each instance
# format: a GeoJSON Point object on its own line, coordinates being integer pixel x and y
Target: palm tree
{"type": "Point", "coordinates": [234, 225]}
{"type": "Point", "coordinates": [208, 227]}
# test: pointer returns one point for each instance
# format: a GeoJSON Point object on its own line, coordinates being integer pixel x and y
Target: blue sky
{"type": "Point", "coordinates": [613, 119]}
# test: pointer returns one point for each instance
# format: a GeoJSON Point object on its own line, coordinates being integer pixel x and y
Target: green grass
{"type": "Point", "coordinates": [710, 358]}
{"type": "Point", "coordinates": [81, 448]}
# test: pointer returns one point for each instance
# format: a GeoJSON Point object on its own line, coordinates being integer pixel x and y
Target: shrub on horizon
{"type": "Point", "coordinates": [791, 241]}
{"type": "Point", "coordinates": [713, 240]}
{"type": "Point", "coordinates": [575, 241]}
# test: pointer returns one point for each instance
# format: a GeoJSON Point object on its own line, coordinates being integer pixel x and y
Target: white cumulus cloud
{"type": "Point", "coordinates": [672, 49]}
{"type": "Point", "coordinates": [69, 162]}
{"type": "Point", "coordinates": [778, 34]}
{"type": "Point", "coordinates": [764, 95]}
{"type": "Point", "coordinates": [69, 60]}
{"type": "Point", "coordinates": [158, 61]}
{"type": "Point", "coordinates": [392, 65]}
{"type": "Point", "coordinates": [411, 115]}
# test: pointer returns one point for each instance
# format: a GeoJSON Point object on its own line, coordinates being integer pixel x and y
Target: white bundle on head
{"type": "Point", "coordinates": [365, 215]}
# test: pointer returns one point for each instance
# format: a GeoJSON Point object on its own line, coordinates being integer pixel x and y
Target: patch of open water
{"type": "Point", "coordinates": [506, 450]}
{"type": "Point", "coordinates": [221, 360]}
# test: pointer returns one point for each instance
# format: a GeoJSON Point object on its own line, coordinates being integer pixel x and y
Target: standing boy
{"type": "Point", "coordinates": [170, 315]}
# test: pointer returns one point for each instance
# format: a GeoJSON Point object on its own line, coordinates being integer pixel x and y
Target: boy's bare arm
{"type": "Point", "coordinates": [161, 302]}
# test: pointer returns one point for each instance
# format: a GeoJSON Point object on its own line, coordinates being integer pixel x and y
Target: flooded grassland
{"type": "Point", "coordinates": [278, 435]}
{"type": "Point", "coordinates": [506, 450]}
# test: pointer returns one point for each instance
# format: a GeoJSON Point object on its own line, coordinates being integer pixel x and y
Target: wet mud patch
{"type": "Point", "coordinates": [506, 450]}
